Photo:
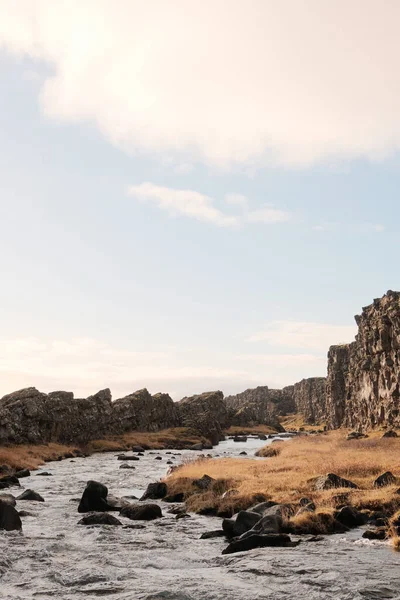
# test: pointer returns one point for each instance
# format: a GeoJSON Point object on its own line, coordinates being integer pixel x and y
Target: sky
{"type": "Point", "coordinates": [193, 195]}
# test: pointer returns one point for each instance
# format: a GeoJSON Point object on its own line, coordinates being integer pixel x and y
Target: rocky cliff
{"type": "Point", "coordinates": [206, 413]}
{"type": "Point", "coordinates": [364, 376]}
{"type": "Point", "coordinates": [309, 397]}
{"type": "Point", "coordinates": [260, 405]}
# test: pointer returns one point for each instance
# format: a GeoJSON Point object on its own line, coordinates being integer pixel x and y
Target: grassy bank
{"type": "Point", "coordinates": [256, 430]}
{"type": "Point", "coordinates": [32, 456]}
{"type": "Point", "coordinates": [287, 477]}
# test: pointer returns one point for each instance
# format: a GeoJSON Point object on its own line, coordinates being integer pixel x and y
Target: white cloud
{"type": "Point", "coordinates": [201, 207]}
{"type": "Point", "coordinates": [268, 215]}
{"type": "Point", "coordinates": [185, 202]}
{"type": "Point", "coordinates": [305, 335]}
{"type": "Point", "coordinates": [223, 82]}
{"type": "Point", "coordinates": [236, 200]}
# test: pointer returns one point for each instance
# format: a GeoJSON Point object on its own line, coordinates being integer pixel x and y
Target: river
{"type": "Point", "coordinates": [54, 558]}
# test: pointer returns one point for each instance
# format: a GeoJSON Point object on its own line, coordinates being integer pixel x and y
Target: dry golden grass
{"type": "Point", "coordinates": [30, 457]}
{"type": "Point", "coordinates": [296, 421]}
{"type": "Point", "coordinates": [174, 438]}
{"type": "Point", "coordinates": [256, 430]}
{"type": "Point", "coordinates": [396, 543]}
{"type": "Point", "coordinates": [287, 477]}
{"type": "Point", "coordinates": [269, 451]}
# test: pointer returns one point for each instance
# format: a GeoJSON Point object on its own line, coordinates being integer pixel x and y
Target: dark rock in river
{"type": "Point", "coordinates": [350, 517]}
{"type": "Point", "coordinates": [22, 473]}
{"type": "Point", "coordinates": [126, 466]}
{"type": "Point", "coordinates": [126, 457]}
{"type": "Point", "coordinates": [141, 512]}
{"type": "Point", "coordinates": [9, 518]}
{"type": "Point", "coordinates": [207, 535]}
{"type": "Point", "coordinates": [8, 499]}
{"type": "Point", "coordinates": [376, 534]}
{"type": "Point", "coordinates": [94, 498]}
{"type": "Point", "coordinates": [99, 518]}
{"type": "Point", "coordinates": [155, 491]}
{"type": "Point", "coordinates": [30, 495]}
{"type": "Point", "coordinates": [9, 481]}
{"type": "Point", "coordinates": [259, 541]}
{"type": "Point", "coordinates": [44, 474]}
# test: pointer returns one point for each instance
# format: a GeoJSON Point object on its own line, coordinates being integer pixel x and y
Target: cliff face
{"type": "Point", "coordinates": [364, 376]}
{"type": "Point", "coordinates": [260, 405]}
{"type": "Point", "coordinates": [144, 412]}
{"type": "Point", "coordinates": [309, 396]}
{"type": "Point", "coordinates": [206, 413]}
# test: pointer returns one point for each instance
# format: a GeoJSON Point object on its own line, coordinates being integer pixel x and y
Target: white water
{"type": "Point", "coordinates": [165, 559]}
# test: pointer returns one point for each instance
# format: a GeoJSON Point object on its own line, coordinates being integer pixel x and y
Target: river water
{"type": "Point", "coordinates": [54, 558]}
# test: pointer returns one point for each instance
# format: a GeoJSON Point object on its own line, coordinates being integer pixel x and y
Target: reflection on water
{"type": "Point", "coordinates": [165, 559]}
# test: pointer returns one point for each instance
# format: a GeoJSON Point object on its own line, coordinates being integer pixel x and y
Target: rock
{"type": "Point", "coordinates": [306, 502]}
{"type": "Point", "coordinates": [9, 518]}
{"type": "Point", "coordinates": [125, 457]}
{"type": "Point", "coordinates": [245, 521]}
{"type": "Point", "coordinates": [262, 507]}
{"type": "Point", "coordinates": [240, 438]}
{"type": "Point", "coordinates": [99, 518]}
{"type": "Point", "coordinates": [155, 491]}
{"type": "Point", "coordinates": [309, 396]}
{"type": "Point", "coordinates": [385, 479]}
{"type": "Point", "coordinates": [206, 414]}
{"type": "Point", "coordinates": [262, 437]}
{"type": "Point", "coordinates": [350, 517]}
{"type": "Point", "coordinates": [182, 515]}
{"type": "Point", "coordinates": [259, 541]}
{"type": "Point", "coordinates": [126, 466]}
{"type": "Point", "coordinates": [330, 480]}
{"type": "Point", "coordinates": [26, 513]}
{"type": "Point", "coordinates": [158, 458]}
{"type": "Point", "coordinates": [137, 449]}
{"type": "Point", "coordinates": [243, 453]}
{"type": "Point", "coordinates": [117, 503]}
{"type": "Point", "coordinates": [196, 447]}
{"type": "Point", "coordinates": [141, 512]}
{"type": "Point", "coordinates": [375, 534]}
{"type": "Point", "coordinates": [260, 406]}
{"type": "Point", "coordinates": [9, 481]}
{"type": "Point", "coordinates": [204, 483]}
{"type": "Point", "coordinates": [180, 497]}
{"type": "Point", "coordinates": [94, 498]}
{"type": "Point", "coordinates": [22, 473]}
{"type": "Point", "coordinates": [207, 535]}
{"type": "Point", "coordinates": [355, 435]}
{"type": "Point", "coordinates": [44, 474]}
{"type": "Point", "coordinates": [30, 495]}
{"type": "Point", "coordinates": [8, 499]}
{"type": "Point", "coordinates": [390, 434]}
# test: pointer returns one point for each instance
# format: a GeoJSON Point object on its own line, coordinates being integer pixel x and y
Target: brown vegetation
{"type": "Point", "coordinates": [268, 451]}
{"type": "Point", "coordinates": [288, 477]}
{"type": "Point", "coordinates": [30, 457]}
{"type": "Point", "coordinates": [296, 422]}
{"type": "Point", "coordinates": [255, 430]}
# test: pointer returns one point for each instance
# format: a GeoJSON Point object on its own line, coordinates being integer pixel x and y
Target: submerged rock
{"type": "Point", "coordinates": [259, 541]}
{"type": "Point", "coordinates": [30, 495]}
{"type": "Point", "coordinates": [141, 512]}
{"type": "Point", "coordinates": [99, 518]}
{"type": "Point", "coordinates": [207, 535]}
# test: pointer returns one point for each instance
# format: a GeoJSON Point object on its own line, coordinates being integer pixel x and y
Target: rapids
{"type": "Point", "coordinates": [54, 558]}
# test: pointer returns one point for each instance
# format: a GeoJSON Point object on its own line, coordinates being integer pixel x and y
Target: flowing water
{"type": "Point", "coordinates": [54, 558]}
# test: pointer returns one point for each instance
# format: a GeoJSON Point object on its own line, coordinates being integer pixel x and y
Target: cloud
{"type": "Point", "coordinates": [201, 207]}
{"type": "Point", "coordinates": [286, 82]}
{"type": "Point", "coordinates": [304, 335]}
{"type": "Point", "coordinates": [185, 202]}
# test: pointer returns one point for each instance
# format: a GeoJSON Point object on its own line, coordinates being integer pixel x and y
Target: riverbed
{"type": "Point", "coordinates": [165, 559]}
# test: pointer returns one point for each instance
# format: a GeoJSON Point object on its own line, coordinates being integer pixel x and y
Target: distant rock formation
{"type": "Point", "coordinates": [309, 396]}
{"type": "Point", "coordinates": [206, 413]}
{"type": "Point", "coordinates": [364, 376]}
{"type": "Point", "coordinates": [260, 405]}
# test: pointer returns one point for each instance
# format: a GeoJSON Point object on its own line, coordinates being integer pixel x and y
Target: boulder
{"type": "Point", "coordinates": [126, 466]}
{"type": "Point", "coordinates": [259, 541]}
{"type": "Point", "coordinates": [385, 479]}
{"type": "Point", "coordinates": [240, 438]}
{"type": "Point", "coordinates": [376, 534]}
{"type": "Point", "coordinates": [94, 498]}
{"type": "Point", "coordinates": [155, 491]}
{"type": "Point", "coordinates": [350, 517]}
{"type": "Point", "coordinates": [8, 499]}
{"type": "Point", "coordinates": [31, 496]}
{"type": "Point", "coordinates": [330, 481]}
{"type": "Point", "coordinates": [9, 481]}
{"type": "Point", "coordinates": [196, 447]}
{"type": "Point", "coordinates": [22, 473]}
{"type": "Point", "coordinates": [179, 497]}
{"type": "Point", "coordinates": [99, 518]}
{"type": "Point", "coordinates": [44, 474]}
{"type": "Point", "coordinates": [137, 449]}
{"type": "Point", "coordinates": [9, 518]}
{"type": "Point", "coordinates": [141, 512]}
{"type": "Point", "coordinates": [207, 535]}
{"type": "Point", "coordinates": [125, 457]}
{"type": "Point", "coordinates": [204, 483]}
{"type": "Point", "coordinates": [245, 521]}
{"type": "Point", "coordinates": [390, 434]}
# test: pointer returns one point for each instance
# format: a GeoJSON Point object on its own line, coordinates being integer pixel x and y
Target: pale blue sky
{"type": "Point", "coordinates": [106, 282]}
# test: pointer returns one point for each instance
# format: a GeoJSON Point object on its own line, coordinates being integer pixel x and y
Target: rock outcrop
{"type": "Point", "coordinates": [205, 413]}
{"type": "Point", "coordinates": [363, 385]}
{"type": "Point", "coordinates": [143, 412]}
{"type": "Point", "coordinates": [260, 406]}
{"type": "Point", "coordinates": [309, 397]}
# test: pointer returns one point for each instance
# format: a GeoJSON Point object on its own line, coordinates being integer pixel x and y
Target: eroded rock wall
{"type": "Point", "coordinates": [309, 396]}
{"type": "Point", "coordinates": [259, 406]}
{"type": "Point", "coordinates": [364, 376]}
{"type": "Point", "coordinates": [206, 413]}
